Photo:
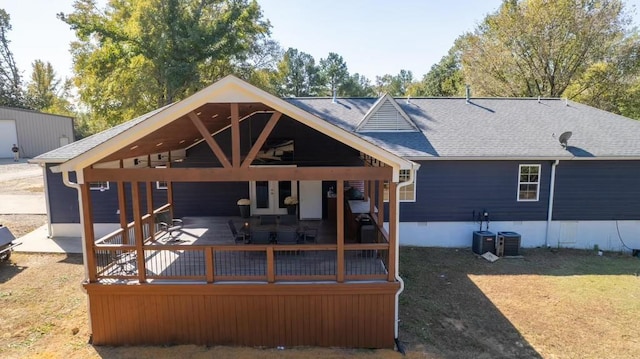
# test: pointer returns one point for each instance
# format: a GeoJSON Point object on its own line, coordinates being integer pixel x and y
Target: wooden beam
{"type": "Point", "coordinates": [340, 230]}
{"type": "Point", "coordinates": [209, 265]}
{"type": "Point", "coordinates": [235, 135]}
{"type": "Point", "coordinates": [137, 225]}
{"type": "Point", "coordinates": [122, 207]}
{"type": "Point", "coordinates": [237, 174]}
{"type": "Point", "coordinates": [393, 224]}
{"type": "Point", "coordinates": [381, 202]}
{"type": "Point", "coordinates": [149, 186]}
{"type": "Point", "coordinates": [266, 131]}
{"type": "Point", "coordinates": [170, 190]}
{"type": "Point", "coordinates": [271, 271]}
{"type": "Point", "coordinates": [89, 235]}
{"type": "Point", "coordinates": [210, 141]}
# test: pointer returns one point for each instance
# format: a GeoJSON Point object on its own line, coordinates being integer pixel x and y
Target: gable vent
{"type": "Point", "coordinates": [386, 116]}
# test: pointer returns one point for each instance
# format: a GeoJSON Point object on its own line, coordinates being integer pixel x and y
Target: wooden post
{"type": "Point", "coordinates": [393, 225]}
{"type": "Point", "coordinates": [152, 234]}
{"type": "Point", "coordinates": [380, 203]}
{"type": "Point", "coordinates": [170, 190]}
{"type": "Point", "coordinates": [235, 135]}
{"type": "Point", "coordinates": [87, 220]}
{"type": "Point", "coordinates": [122, 207]}
{"type": "Point", "coordinates": [271, 272]}
{"type": "Point", "coordinates": [372, 197]}
{"type": "Point", "coordinates": [210, 265]}
{"type": "Point", "coordinates": [340, 229]}
{"type": "Point", "coordinates": [137, 225]}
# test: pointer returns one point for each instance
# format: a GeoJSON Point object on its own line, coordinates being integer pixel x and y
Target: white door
{"type": "Point", "coordinates": [267, 197]}
{"type": "Point", "coordinates": [8, 136]}
{"type": "Point", "coordinates": [310, 199]}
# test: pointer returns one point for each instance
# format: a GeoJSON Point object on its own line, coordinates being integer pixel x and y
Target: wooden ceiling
{"type": "Point", "coordinates": [182, 133]}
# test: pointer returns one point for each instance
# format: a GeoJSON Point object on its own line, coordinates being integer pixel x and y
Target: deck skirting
{"type": "Point", "coordinates": [259, 315]}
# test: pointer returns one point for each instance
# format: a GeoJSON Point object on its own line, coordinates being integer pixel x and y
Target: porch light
{"type": "Point", "coordinates": [182, 141]}
{"type": "Point", "coordinates": [214, 115]}
{"type": "Point", "coordinates": [198, 113]}
{"type": "Point", "coordinates": [159, 144]}
{"type": "Point", "coordinates": [134, 147]}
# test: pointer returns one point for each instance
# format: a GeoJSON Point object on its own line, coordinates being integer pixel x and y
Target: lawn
{"type": "Point", "coordinates": [549, 304]}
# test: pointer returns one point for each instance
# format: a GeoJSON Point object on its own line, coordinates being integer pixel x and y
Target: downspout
{"type": "Point", "coordinates": [68, 183]}
{"type": "Point", "coordinates": [46, 200]}
{"type": "Point", "coordinates": [552, 187]}
{"type": "Point", "coordinates": [397, 259]}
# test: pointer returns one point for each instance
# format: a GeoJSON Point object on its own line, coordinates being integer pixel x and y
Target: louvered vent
{"type": "Point", "coordinates": [386, 119]}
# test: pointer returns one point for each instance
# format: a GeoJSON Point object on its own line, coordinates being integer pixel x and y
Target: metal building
{"type": "Point", "coordinates": [34, 132]}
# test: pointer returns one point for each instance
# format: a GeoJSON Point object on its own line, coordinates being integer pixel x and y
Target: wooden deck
{"type": "Point", "coordinates": [184, 256]}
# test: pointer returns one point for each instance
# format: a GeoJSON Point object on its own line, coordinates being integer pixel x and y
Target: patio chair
{"type": "Point", "coordinates": [168, 224]}
{"type": "Point", "coordinates": [238, 237]}
{"type": "Point", "coordinates": [287, 237]}
{"type": "Point", "coordinates": [260, 237]}
{"type": "Point", "coordinates": [309, 234]}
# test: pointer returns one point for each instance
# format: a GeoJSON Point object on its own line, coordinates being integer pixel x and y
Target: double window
{"type": "Point", "coordinates": [529, 183]}
{"type": "Point", "coordinates": [407, 193]}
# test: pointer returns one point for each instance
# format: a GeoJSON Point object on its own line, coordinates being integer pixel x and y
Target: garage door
{"type": "Point", "coordinates": [8, 136]}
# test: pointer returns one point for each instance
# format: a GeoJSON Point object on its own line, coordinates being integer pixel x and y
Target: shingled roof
{"type": "Point", "coordinates": [454, 128]}
{"type": "Point", "coordinates": [486, 128]}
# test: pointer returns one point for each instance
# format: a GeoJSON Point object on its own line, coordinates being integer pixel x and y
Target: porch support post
{"type": "Point", "coordinates": [209, 139]}
{"type": "Point", "coordinates": [170, 190]}
{"type": "Point", "coordinates": [235, 135]}
{"type": "Point", "coordinates": [137, 225]}
{"type": "Point", "coordinates": [370, 195]}
{"type": "Point", "coordinates": [87, 217]}
{"type": "Point", "coordinates": [122, 207]}
{"type": "Point", "coordinates": [393, 223]}
{"type": "Point", "coordinates": [149, 186]}
{"type": "Point", "coordinates": [380, 203]}
{"type": "Point", "coordinates": [340, 229]}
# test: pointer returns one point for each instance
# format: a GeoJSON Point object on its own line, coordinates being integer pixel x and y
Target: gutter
{"type": "Point", "coordinates": [552, 187]}
{"type": "Point", "coordinates": [396, 326]}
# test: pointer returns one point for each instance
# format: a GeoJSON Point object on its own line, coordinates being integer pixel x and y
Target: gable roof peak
{"type": "Point", "coordinates": [386, 116]}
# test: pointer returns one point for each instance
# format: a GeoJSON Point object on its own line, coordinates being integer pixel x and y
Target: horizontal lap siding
{"type": "Point", "coordinates": [453, 190]}
{"type": "Point", "coordinates": [318, 316]}
{"type": "Point", "coordinates": [597, 190]}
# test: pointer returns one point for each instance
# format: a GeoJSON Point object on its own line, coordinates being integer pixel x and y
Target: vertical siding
{"type": "Point", "coordinates": [38, 132]}
{"type": "Point", "coordinates": [597, 190]}
{"type": "Point", "coordinates": [63, 201]}
{"type": "Point", "coordinates": [259, 315]}
{"type": "Point", "coordinates": [453, 190]}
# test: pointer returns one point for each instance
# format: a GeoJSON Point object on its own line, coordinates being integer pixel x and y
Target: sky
{"type": "Point", "coordinates": [375, 37]}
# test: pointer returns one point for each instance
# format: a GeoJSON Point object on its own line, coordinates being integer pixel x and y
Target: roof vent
{"type": "Point", "coordinates": [564, 138]}
{"type": "Point", "coordinates": [408, 99]}
{"type": "Point", "coordinates": [335, 92]}
{"type": "Point", "coordinates": [538, 99]}
{"type": "Point", "coordinates": [467, 93]}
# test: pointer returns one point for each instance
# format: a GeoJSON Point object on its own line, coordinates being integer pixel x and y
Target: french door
{"type": "Point", "coordinates": [267, 197]}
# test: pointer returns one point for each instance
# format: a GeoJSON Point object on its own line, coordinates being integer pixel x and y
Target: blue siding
{"type": "Point", "coordinates": [63, 200]}
{"type": "Point", "coordinates": [453, 190]}
{"type": "Point", "coordinates": [597, 190]}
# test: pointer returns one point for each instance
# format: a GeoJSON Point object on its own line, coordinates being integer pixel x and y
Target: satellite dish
{"type": "Point", "coordinates": [564, 138]}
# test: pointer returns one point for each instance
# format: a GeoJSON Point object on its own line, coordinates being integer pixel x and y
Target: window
{"type": "Point", "coordinates": [161, 184]}
{"type": "Point", "coordinates": [99, 186]}
{"type": "Point", "coordinates": [529, 182]}
{"type": "Point", "coordinates": [407, 193]}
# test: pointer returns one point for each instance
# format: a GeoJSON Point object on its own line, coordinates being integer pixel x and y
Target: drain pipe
{"type": "Point", "coordinates": [397, 259]}
{"type": "Point", "coordinates": [552, 187]}
{"type": "Point", "coordinates": [68, 183]}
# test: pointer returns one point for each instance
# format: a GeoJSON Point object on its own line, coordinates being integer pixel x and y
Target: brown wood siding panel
{"type": "Point", "coordinates": [324, 315]}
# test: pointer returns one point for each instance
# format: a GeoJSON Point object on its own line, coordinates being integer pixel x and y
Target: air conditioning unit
{"type": "Point", "coordinates": [510, 242]}
{"type": "Point", "coordinates": [483, 242]}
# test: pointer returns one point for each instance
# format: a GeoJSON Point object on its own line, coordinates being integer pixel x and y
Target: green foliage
{"type": "Point", "coordinates": [11, 93]}
{"type": "Point", "coordinates": [443, 79]}
{"type": "Point", "coordinates": [397, 85]}
{"type": "Point", "coordinates": [581, 49]}
{"type": "Point", "coordinates": [357, 85]}
{"type": "Point", "coordinates": [133, 57]}
{"type": "Point", "coordinates": [335, 73]}
{"type": "Point", "coordinates": [298, 75]}
{"type": "Point", "coordinates": [47, 93]}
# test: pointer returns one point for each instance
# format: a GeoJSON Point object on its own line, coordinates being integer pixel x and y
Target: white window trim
{"type": "Point", "coordinates": [414, 191]}
{"type": "Point", "coordinates": [98, 186]}
{"type": "Point", "coordinates": [537, 183]}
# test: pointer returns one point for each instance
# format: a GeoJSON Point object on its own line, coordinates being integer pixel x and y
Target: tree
{"type": "Point", "coordinates": [298, 75]}
{"type": "Point", "coordinates": [47, 93]}
{"type": "Point", "coordinates": [357, 85]}
{"type": "Point", "coordinates": [542, 47]}
{"type": "Point", "coordinates": [335, 73]}
{"type": "Point", "coordinates": [134, 56]}
{"type": "Point", "coordinates": [444, 78]}
{"type": "Point", "coordinates": [10, 82]}
{"type": "Point", "coordinates": [397, 85]}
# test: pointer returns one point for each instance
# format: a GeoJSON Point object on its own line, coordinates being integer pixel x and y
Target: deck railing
{"type": "Point", "coordinates": [118, 260]}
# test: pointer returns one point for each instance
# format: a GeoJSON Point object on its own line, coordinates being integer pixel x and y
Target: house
{"type": "Point", "coordinates": [34, 132]}
{"type": "Point", "coordinates": [410, 171]}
